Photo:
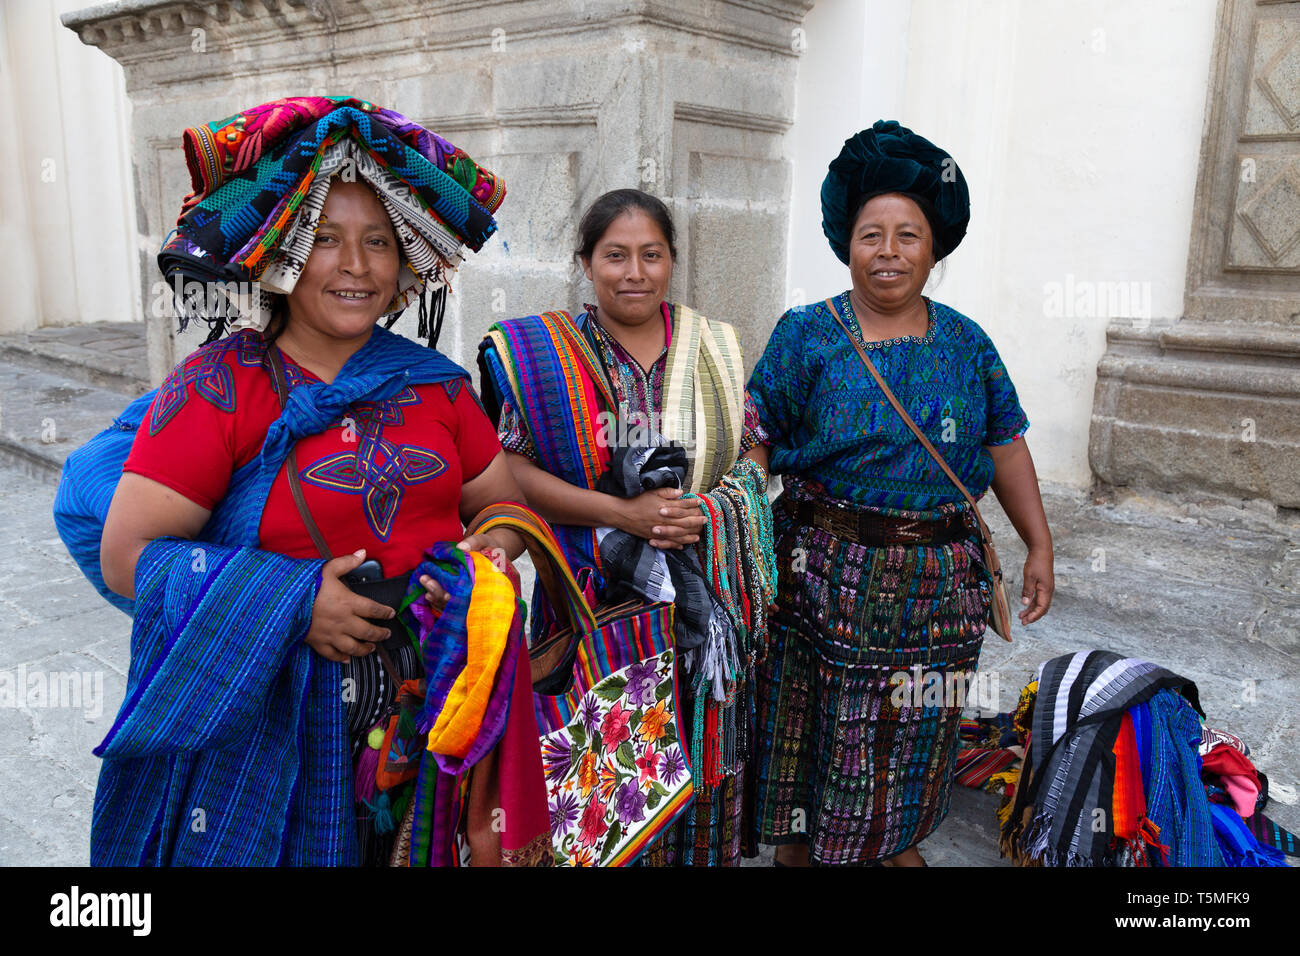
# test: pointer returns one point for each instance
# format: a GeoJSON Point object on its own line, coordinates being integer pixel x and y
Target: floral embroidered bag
{"type": "Point", "coordinates": [605, 694]}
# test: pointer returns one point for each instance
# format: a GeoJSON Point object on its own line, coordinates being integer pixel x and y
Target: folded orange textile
{"type": "Point", "coordinates": [1129, 802]}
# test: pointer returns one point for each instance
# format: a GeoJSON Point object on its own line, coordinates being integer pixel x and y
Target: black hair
{"type": "Point", "coordinates": [600, 214]}
{"type": "Point", "coordinates": [279, 320]}
{"type": "Point", "coordinates": [927, 209]}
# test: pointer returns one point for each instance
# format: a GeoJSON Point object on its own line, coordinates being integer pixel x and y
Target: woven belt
{"type": "Point", "coordinates": [871, 530]}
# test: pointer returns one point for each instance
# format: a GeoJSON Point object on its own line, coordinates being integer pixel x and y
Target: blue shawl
{"type": "Point", "coordinates": [231, 745]}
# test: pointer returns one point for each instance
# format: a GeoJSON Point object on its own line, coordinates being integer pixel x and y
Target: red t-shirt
{"type": "Point", "coordinates": [386, 477]}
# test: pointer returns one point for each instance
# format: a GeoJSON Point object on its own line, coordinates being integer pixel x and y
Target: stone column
{"type": "Point", "coordinates": [1211, 402]}
{"type": "Point", "coordinates": [685, 99]}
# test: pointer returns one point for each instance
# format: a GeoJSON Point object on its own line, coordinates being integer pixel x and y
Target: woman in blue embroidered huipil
{"type": "Point", "coordinates": [882, 599]}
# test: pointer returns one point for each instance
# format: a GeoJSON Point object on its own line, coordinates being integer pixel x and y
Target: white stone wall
{"type": "Point", "coordinates": [1078, 125]}
{"type": "Point", "coordinates": [66, 196]}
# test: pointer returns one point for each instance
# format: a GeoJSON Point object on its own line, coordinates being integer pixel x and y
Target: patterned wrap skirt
{"type": "Point", "coordinates": [860, 695]}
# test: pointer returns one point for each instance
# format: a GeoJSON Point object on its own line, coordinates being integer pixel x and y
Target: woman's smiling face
{"type": "Point", "coordinates": [891, 252]}
{"type": "Point", "coordinates": [350, 276]}
{"type": "Point", "coordinates": [631, 267]}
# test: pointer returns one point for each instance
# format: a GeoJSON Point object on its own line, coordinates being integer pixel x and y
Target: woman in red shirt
{"type": "Point", "coordinates": [392, 451]}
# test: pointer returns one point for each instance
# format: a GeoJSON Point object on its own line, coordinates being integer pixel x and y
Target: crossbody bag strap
{"type": "Point", "coordinates": [916, 430]}
{"type": "Point", "coordinates": [1001, 613]}
{"type": "Point", "coordinates": [279, 380]}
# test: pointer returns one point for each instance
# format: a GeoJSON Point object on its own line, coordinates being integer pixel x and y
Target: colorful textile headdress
{"type": "Point", "coordinates": [260, 180]}
{"type": "Point", "coordinates": [889, 158]}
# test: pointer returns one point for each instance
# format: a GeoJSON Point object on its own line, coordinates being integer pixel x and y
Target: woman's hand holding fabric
{"type": "Point", "coordinates": [1040, 584]}
{"type": "Point", "coordinates": [499, 546]}
{"type": "Point", "coordinates": [661, 519]}
{"type": "Point", "coordinates": [339, 628]}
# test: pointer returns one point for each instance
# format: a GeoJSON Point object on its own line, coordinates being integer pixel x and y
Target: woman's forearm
{"type": "Point", "coordinates": [761, 455]}
{"type": "Point", "coordinates": [560, 502]}
{"type": "Point", "coordinates": [117, 561]}
{"type": "Point", "coordinates": [1015, 482]}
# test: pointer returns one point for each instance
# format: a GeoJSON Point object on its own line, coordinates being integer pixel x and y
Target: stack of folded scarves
{"type": "Point", "coordinates": [470, 650]}
{"type": "Point", "coordinates": [259, 181]}
{"type": "Point", "coordinates": [1112, 774]}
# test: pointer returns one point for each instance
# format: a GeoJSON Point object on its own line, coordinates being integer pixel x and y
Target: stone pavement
{"type": "Point", "coordinates": [1210, 590]}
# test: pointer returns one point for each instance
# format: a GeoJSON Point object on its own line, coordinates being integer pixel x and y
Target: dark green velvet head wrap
{"type": "Point", "coordinates": [889, 158]}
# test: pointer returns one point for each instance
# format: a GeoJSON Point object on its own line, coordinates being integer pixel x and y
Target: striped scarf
{"type": "Point", "coordinates": [1062, 814]}
{"type": "Point", "coordinates": [229, 748]}
{"type": "Point", "coordinates": [1176, 803]}
{"type": "Point", "coordinates": [470, 651]}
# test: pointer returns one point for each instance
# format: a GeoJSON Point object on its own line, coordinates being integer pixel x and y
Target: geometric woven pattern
{"type": "Point", "coordinates": [378, 468]}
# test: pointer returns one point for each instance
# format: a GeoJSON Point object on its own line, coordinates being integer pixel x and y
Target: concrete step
{"type": "Point", "coordinates": [61, 386]}
{"type": "Point", "coordinates": [44, 416]}
{"type": "Point", "coordinates": [108, 355]}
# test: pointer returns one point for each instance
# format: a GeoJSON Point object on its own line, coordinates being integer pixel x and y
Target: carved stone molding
{"type": "Point", "coordinates": [1210, 402]}
{"type": "Point", "coordinates": [1201, 408]}
{"type": "Point", "coordinates": [1244, 259]}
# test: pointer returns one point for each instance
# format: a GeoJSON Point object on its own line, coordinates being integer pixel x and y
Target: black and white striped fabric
{"type": "Point", "coordinates": [1081, 702]}
{"type": "Point", "coordinates": [635, 570]}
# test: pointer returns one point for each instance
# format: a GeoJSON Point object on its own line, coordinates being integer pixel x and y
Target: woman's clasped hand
{"type": "Point", "coordinates": [661, 517]}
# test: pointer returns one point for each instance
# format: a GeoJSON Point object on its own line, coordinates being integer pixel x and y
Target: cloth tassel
{"type": "Point", "coordinates": [432, 306]}
{"type": "Point", "coordinates": [1036, 838]}
{"type": "Point", "coordinates": [381, 811]}
{"type": "Point", "coordinates": [364, 779]}
{"type": "Point", "coordinates": [1150, 834]}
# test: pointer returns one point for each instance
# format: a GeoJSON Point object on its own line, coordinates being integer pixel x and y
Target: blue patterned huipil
{"type": "Point", "coordinates": [852, 761]}
{"type": "Point", "coordinates": [828, 420]}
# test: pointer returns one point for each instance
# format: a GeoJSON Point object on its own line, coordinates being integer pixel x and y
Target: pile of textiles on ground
{"type": "Point", "coordinates": [260, 179]}
{"type": "Point", "coordinates": [1105, 762]}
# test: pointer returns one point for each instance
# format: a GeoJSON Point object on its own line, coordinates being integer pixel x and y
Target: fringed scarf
{"type": "Point", "coordinates": [1063, 809]}
{"type": "Point", "coordinates": [1168, 734]}
{"type": "Point", "coordinates": [1134, 830]}
{"type": "Point", "coordinates": [1237, 844]}
{"type": "Point", "coordinates": [635, 570]}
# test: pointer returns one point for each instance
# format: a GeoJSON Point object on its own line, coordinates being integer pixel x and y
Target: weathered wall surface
{"type": "Point", "coordinates": [689, 101]}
